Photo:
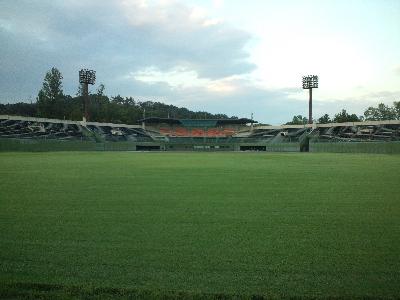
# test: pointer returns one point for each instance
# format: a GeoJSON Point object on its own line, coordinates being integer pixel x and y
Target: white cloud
{"type": "Point", "coordinates": [177, 77]}
{"type": "Point", "coordinates": [182, 78]}
{"type": "Point", "coordinates": [170, 51]}
{"type": "Point", "coordinates": [222, 86]}
{"type": "Point", "coordinates": [116, 38]}
{"type": "Point", "coordinates": [218, 4]}
{"type": "Point", "coordinates": [397, 70]}
{"type": "Point", "coordinates": [168, 16]}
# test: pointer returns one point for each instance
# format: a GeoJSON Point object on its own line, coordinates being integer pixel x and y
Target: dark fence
{"type": "Point", "coordinates": [42, 145]}
{"type": "Point", "coordinates": [356, 147]}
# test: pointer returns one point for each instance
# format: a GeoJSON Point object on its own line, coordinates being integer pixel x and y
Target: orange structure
{"type": "Point", "coordinates": [197, 132]}
{"type": "Point", "coordinates": [196, 127]}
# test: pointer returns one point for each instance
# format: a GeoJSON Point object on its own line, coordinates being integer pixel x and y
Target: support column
{"type": "Point", "coordinates": [85, 88]}
{"type": "Point", "coordinates": [310, 119]}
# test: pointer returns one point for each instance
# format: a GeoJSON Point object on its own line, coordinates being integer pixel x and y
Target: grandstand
{"type": "Point", "coordinates": [199, 135]}
{"type": "Point", "coordinates": [343, 132]}
{"type": "Point", "coordinates": [40, 128]}
{"type": "Point", "coordinates": [196, 128]}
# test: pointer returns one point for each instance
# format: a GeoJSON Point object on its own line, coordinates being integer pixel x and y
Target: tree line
{"type": "Point", "coordinates": [51, 102]}
{"type": "Point", "coordinates": [381, 112]}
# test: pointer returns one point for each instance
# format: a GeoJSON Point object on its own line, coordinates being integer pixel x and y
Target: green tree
{"type": "Point", "coordinates": [50, 100]}
{"type": "Point", "coordinates": [325, 119]}
{"type": "Point", "coordinates": [100, 90]}
{"type": "Point", "coordinates": [396, 107]}
{"type": "Point", "coordinates": [382, 112]}
{"type": "Point", "coordinates": [79, 91]}
{"type": "Point", "coordinates": [20, 109]}
{"type": "Point", "coordinates": [343, 116]}
{"type": "Point", "coordinates": [298, 120]}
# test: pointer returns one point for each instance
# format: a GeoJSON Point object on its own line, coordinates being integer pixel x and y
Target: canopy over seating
{"type": "Point", "coordinates": [197, 122]}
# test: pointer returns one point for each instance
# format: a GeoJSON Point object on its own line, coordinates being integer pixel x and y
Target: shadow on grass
{"type": "Point", "coordinates": [57, 292]}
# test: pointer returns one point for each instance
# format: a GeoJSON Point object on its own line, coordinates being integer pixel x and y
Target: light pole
{"type": "Point", "coordinates": [86, 77]}
{"type": "Point", "coordinates": [310, 82]}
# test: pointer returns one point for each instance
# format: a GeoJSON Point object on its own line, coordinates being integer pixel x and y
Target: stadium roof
{"type": "Point", "coordinates": [197, 122]}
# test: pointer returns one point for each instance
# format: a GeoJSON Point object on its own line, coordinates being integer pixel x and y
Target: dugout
{"type": "Point", "coordinates": [149, 148]}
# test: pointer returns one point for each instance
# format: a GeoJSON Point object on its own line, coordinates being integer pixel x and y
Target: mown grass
{"type": "Point", "coordinates": [199, 225]}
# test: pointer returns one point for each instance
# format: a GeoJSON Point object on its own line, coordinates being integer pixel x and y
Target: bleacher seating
{"type": "Point", "coordinates": [22, 129]}
{"type": "Point", "coordinates": [211, 133]}
{"type": "Point", "coordinates": [36, 128]}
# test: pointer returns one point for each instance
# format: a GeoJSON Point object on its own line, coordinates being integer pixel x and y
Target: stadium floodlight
{"type": "Point", "coordinates": [310, 82]}
{"type": "Point", "coordinates": [86, 77]}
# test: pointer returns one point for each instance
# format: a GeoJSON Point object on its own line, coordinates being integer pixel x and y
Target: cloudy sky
{"type": "Point", "coordinates": [223, 56]}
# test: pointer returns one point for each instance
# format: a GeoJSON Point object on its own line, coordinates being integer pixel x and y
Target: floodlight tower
{"type": "Point", "coordinates": [86, 77]}
{"type": "Point", "coordinates": [310, 82]}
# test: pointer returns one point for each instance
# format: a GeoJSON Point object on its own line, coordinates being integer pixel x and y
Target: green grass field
{"type": "Point", "coordinates": [199, 225]}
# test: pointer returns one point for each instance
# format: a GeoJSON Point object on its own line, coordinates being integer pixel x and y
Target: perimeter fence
{"type": "Point", "coordinates": [356, 147]}
{"type": "Point", "coordinates": [282, 147]}
{"type": "Point", "coordinates": [42, 145]}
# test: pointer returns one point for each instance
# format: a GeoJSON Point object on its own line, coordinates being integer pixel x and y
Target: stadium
{"type": "Point", "coordinates": [172, 184]}
{"type": "Point", "coordinates": [197, 209]}
{"type": "Point", "coordinates": [168, 208]}
{"type": "Point", "coordinates": [167, 134]}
